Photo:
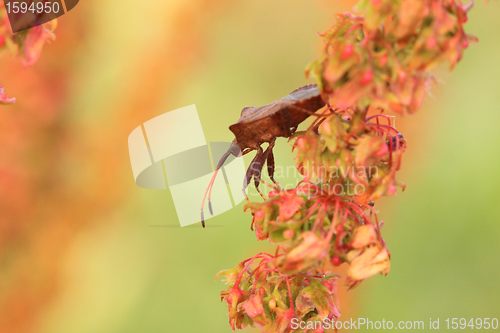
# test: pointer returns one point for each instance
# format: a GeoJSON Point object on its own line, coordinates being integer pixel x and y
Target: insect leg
{"type": "Point", "coordinates": [251, 171]}
{"type": "Point", "coordinates": [316, 126]}
{"type": "Point", "coordinates": [257, 171]}
{"type": "Point", "coordinates": [270, 162]}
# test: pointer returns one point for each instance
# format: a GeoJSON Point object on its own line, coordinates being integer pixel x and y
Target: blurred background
{"type": "Point", "coordinates": [83, 249]}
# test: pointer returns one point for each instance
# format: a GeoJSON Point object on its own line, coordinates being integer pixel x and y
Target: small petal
{"type": "Point", "coordinates": [4, 99]}
{"type": "Point", "coordinates": [372, 261]}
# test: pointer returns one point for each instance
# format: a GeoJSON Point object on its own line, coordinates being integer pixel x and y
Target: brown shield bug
{"type": "Point", "coordinates": [258, 125]}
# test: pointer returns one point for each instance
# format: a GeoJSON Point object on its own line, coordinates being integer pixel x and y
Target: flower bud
{"type": "Point", "coordinates": [326, 127]}
{"type": "Point", "coordinates": [288, 234]}
{"type": "Point", "coordinates": [431, 42]}
{"type": "Point", "coordinates": [347, 51]}
{"type": "Point", "coordinates": [336, 261]}
{"type": "Point", "coordinates": [272, 304]}
{"type": "Point", "coordinates": [301, 143]}
{"type": "Point", "coordinates": [367, 77]}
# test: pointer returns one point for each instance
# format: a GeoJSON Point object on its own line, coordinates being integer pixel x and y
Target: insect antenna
{"type": "Point", "coordinates": [209, 189]}
{"type": "Point", "coordinates": [233, 150]}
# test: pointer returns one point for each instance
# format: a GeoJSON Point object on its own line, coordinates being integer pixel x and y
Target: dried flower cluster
{"type": "Point", "coordinates": [382, 59]}
{"type": "Point", "coordinates": [349, 157]}
{"type": "Point", "coordinates": [263, 295]}
{"type": "Point", "coordinates": [27, 44]}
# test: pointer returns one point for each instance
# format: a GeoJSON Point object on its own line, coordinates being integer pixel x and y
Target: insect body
{"type": "Point", "coordinates": [258, 125]}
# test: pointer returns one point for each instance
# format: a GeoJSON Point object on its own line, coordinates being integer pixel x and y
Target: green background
{"type": "Point", "coordinates": [137, 271]}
